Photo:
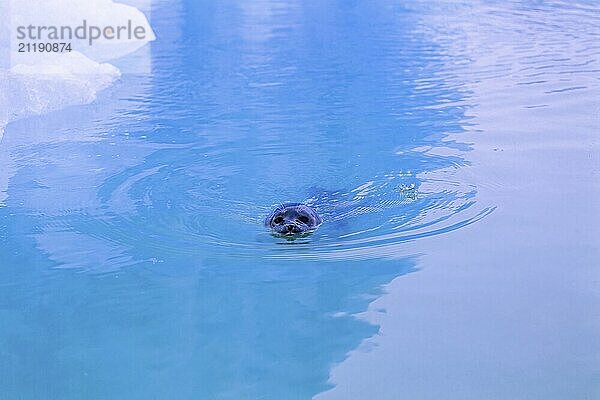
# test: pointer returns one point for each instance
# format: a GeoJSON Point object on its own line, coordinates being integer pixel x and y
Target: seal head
{"type": "Point", "coordinates": [293, 219]}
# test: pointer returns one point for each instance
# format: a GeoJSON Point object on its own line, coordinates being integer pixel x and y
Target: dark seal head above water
{"type": "Point", "coordinates": [293, 219]}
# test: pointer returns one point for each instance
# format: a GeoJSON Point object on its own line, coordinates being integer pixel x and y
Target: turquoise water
{"type": "Point", "coordinates": [452, 150]}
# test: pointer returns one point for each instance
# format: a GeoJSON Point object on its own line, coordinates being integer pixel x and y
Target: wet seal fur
{"type": "Point", "coordinates": [293, 219]}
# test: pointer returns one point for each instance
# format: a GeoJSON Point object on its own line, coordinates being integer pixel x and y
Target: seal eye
{"type": "Point", "coordinates": [304, 219]}
{"type": "Point", "coordinates": [278, 220]}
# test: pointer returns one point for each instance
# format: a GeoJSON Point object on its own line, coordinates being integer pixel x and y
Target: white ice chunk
{"type": "Point", "coordinates": [33, 83]}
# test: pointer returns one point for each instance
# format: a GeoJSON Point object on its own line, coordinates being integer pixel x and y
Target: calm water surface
{"type": "Point", "coordinates": [134, 262]}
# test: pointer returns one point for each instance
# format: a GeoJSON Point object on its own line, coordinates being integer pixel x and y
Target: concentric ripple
{"type": "Point", "coordinates": [171, 211]}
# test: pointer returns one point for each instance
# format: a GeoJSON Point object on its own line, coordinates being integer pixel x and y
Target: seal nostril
{"type": "Point", "coordinates": [290, 228]}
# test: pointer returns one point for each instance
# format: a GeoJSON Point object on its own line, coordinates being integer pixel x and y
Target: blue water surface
{"type": "Point", "coordinates": [135, 264]}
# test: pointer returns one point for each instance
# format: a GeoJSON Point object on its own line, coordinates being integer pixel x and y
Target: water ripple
{"type": "Point", "coordinates": [162, 211]}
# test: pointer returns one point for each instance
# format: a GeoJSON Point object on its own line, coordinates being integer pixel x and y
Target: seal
{"type": "Point", "coordinates": [293, 219]}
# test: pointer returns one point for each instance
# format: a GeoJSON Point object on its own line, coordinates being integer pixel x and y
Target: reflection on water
{"type": "Point", "coordinates": [212, 145]}
{"type": "Point", "coordinates": [135, 262]}
{"type": "Point", "coordinates": [159, 199]}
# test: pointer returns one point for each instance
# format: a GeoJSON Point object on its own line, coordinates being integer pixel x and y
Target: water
{"type": "Point", "coordinates": [451, 148]}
